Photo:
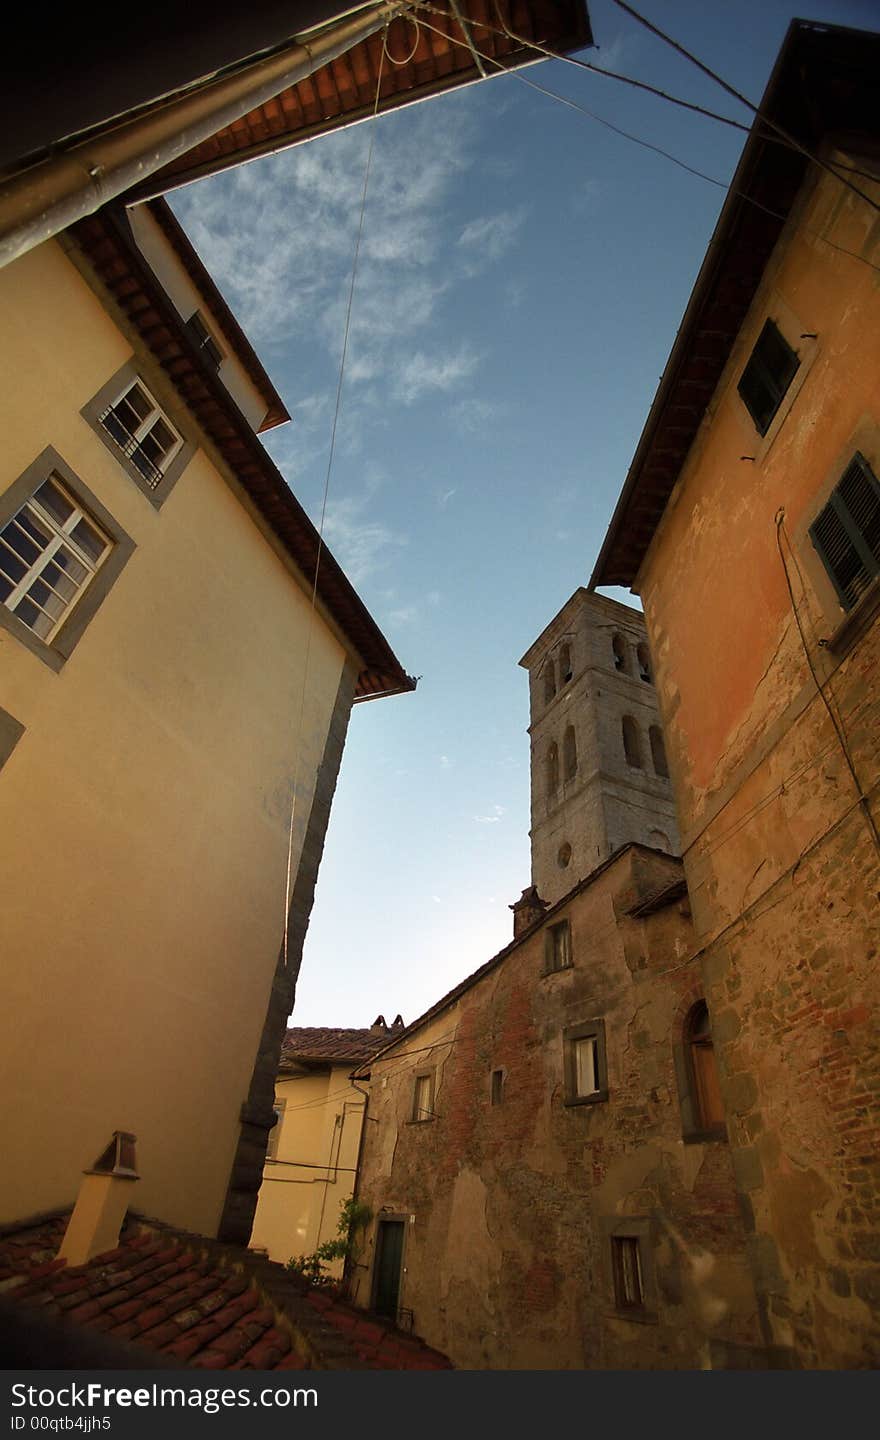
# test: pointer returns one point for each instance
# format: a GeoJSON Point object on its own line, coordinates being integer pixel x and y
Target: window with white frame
{"type": "Point", "coordinates": [586, 1069]}
{"type": "Point", "coordinates": [423, 1098]}
{"type": "Point", "coordinates": [50, 550]}
{"type": "Point", "coordinates": [142, 431]}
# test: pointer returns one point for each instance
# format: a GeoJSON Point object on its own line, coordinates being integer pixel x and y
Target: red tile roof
{"type": "Point", "coordinates": [304, 1045]}
{"type": "Point", "coordinates": [198, 1303]}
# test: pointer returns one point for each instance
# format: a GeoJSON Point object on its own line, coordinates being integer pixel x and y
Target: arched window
{"type": "Point", "coordinates": [564, 663]}
{"type": "Point", "coordinates": [553, 768]}
{"type": "Point", "coordinates": [658, 839]}
{"type": "Point", "coordinates": [621, 659]}
{"type": "Point", "coordinates": [549, 681]}
{"type": "Point", "coordinates": [658, 751]}
{"type": "Point", "coordinates": [706, 1106]}
{"type": "Point", "coordinates": [644, 659]}
{"type": "Point", "coordinates": [632, 744]}
{"type": "Point", "coordinates": [569, 754]}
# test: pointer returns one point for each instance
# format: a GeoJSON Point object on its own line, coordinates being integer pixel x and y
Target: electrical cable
{"type": "Point", "coordinates": [755, 109]}
{"type": "Point", "coordinates": [838, 728]}
{"type": "Point", "coordinates": [330, 458]}
{"type": "Point", "coordinates": [648, 145]}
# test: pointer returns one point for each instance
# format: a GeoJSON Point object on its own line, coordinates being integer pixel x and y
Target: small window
{"type": "Point", "coordinates": [552, 768]}
{"type": "Point", "coordinates": [205, 340]}
{"type": "Point", "coordinates": [629, 1285]}
{"type": "Point", "coordinates": [564, 663]}
{"type": "Point", "coordinates": [563, 855]}
{"type": "Point", "coordinates": [50, 551]}
{"type": "Point", "coordinates": [423, 1098]}
{"type": "Point", "coordinates": [708, 1107]}
{"type": "Point", "coordinates": [621, 659]}
{"type": "Point", "coordinates": [142, 432]}
{"type": "Point", "coordinates": [586, 1075]}
{"type": "Point", "coordinates": [658, 752]}
{"type": "Point", "coordinates": [496, 1087]}
{"type": "Point", "coordinates": [569, 754]}
{"type": "Point", "coordinates": [772, 367]}
{"type": "Point", "coordinates": [643, 656]}
{"type": "Point", "coordinates": [846, 532]}
{"type": "Point", "coordinates": [632, 743]}
{"type": "Point", "coordinates": [549, 681]}
{"type": "Point", "coordinates": [557, 947]}
{"type": "Point", "coordinates": [275, 1132]}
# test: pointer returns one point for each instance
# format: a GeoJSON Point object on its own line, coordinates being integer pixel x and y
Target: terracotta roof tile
{"type": "Point", "coordinates": [195, 1302]}
{"type": "Point", "coordinates": [322, 1044]}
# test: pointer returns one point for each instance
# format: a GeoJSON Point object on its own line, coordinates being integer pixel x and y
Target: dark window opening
{"type": "Point", "coordinates": [658, 752]}
{"type": "Point", "coordinates": [496, 1093]}
{"type": "Point", "coordinates": [564, 664]}
{"type": "Point", "coordinates": [557, 952]}
{"type": "Point", "coordinates": [846, 533]}
{"type": "Point", "coordinates": [621, 659]}
{"type": "Point", "coordinates": [643, 655]}
{"type": "Point", "coordinates": [632, 745]}
{"type": "Point", "coordinates": [771, 368]}
{"type": "Point", "coordinates": [629, 1285]}
{"type": "Point", "coordinates": [569, 754]}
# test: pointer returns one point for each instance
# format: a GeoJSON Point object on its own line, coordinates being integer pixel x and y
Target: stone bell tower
{"type": "Point", "coordinates": [598, 764]}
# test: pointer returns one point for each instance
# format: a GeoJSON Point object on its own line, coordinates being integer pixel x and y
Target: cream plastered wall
{"type": "Point", "coordinates": [186, 298]}
{"type": "Point", "coordinates": [313, 1170]}
{"type": "Point", "coordinates": [143, 848]}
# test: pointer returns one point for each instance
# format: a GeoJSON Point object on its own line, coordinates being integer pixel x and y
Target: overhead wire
{"type": "Point", "coordinates": [645, 144]}
{"type": "Point", "coordinates": [323, 516]}
{"type": "Point", "coordinates": [743, 100]}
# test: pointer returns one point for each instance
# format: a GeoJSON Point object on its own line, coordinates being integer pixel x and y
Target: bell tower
{"type": "Point", "coordinates": [598, 764]}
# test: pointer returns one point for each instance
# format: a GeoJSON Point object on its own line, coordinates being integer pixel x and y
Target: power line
{"type": "Point", "coordinates": [647, 145]}
{"type": "Point", "coordinates": [755, 109]}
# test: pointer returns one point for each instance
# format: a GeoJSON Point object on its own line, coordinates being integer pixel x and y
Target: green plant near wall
{"type": "Point", "coordinates": [353, 1215]}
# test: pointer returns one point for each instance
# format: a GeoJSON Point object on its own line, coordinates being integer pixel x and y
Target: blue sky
{"type": "Point", "coordinates": [523, 272]}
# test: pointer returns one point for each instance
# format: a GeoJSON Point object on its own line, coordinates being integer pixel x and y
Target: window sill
{"type": "Point", "coordinates": [636, 1313]}
{"type": "Point", "coordinates": [600, 1097]}
{"type": "Point", "coordinates": [557, 970]}
{"type": "Point", "coordinates": [429, 1120]}
{"type": "Point", "coordinates": [858, 619]}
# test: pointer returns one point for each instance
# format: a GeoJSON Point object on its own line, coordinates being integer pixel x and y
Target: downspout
{"type": "Point", "coordinates": [348, 1263]}
{"type": "Point", "coordinates": [44, 199]}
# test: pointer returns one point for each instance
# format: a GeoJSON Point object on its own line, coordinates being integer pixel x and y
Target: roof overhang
{"type": "Point", "coordinates": [83, 80]}
{"type": "Point", "coordinates": [822, 90]}
{"type": "Point", "coordinates": [106, 243]}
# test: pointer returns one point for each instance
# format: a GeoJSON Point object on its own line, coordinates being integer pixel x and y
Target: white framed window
{"type": "Point", "coordinates": [142, 431]}
{"type": "Point", "coordinates": [50, 551]}
{"type": "Point", "coordinates": [586, 1066]}
{"type": "Point", "coordinates": [423, 1098]}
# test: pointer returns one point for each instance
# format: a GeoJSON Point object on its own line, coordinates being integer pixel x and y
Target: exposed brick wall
{"type": "Point", "coordinates": [508, 1207]}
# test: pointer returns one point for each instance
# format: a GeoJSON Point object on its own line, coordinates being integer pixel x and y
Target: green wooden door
{"type": "Point", "coordinates": [388, 1260]}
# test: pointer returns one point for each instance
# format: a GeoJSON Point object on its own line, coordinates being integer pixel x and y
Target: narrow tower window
{"type": "Point", "coordinates": [621, 660]}
{"type": "Point", "coordinates": [553, 768]}
{"type": "Point", "coordinates": [632, 744]}
{"type": "Point", "coordinates": [569, 754]}
{"type": "Point", "coordinates": [644, 658]}
{"type": "Point", "coordinates": [564, 663]}
{"type": "Point", "coordinates": [658, 752]}
{"type": "Point", "coordinates": [708, 1107]}
{"type": "Point", "coordinates": [549, 681]}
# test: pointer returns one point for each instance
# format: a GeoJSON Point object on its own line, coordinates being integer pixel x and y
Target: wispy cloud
{"type": "Point", "coordinates": [361, 545]}
{"type": "Point", "coordinates": [492, 818]}
{"type": "Point", "coordinates": [471, 414]}
{"type": "Point", "coordinates": [421, 374]}
{"type": "Point", "coordinates": [491, 236]}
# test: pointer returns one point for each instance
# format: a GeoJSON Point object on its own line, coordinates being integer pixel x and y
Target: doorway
{"type": "Point", "coordinates": [389, 1255]}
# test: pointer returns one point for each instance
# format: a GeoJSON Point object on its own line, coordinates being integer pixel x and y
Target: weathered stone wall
{"type": "Point", "coordinates": [781, 853]}
{"type": "Point", "coordinates": [509, 1209]}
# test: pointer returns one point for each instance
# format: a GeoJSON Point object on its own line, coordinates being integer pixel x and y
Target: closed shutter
{"type": "Point", "coordinates": [846, 533]}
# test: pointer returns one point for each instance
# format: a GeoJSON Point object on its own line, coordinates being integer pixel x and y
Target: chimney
{"type": "Point", "coordinates": [102, 1202]}
{"type": "Point", "coordinates": [528, 909]}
